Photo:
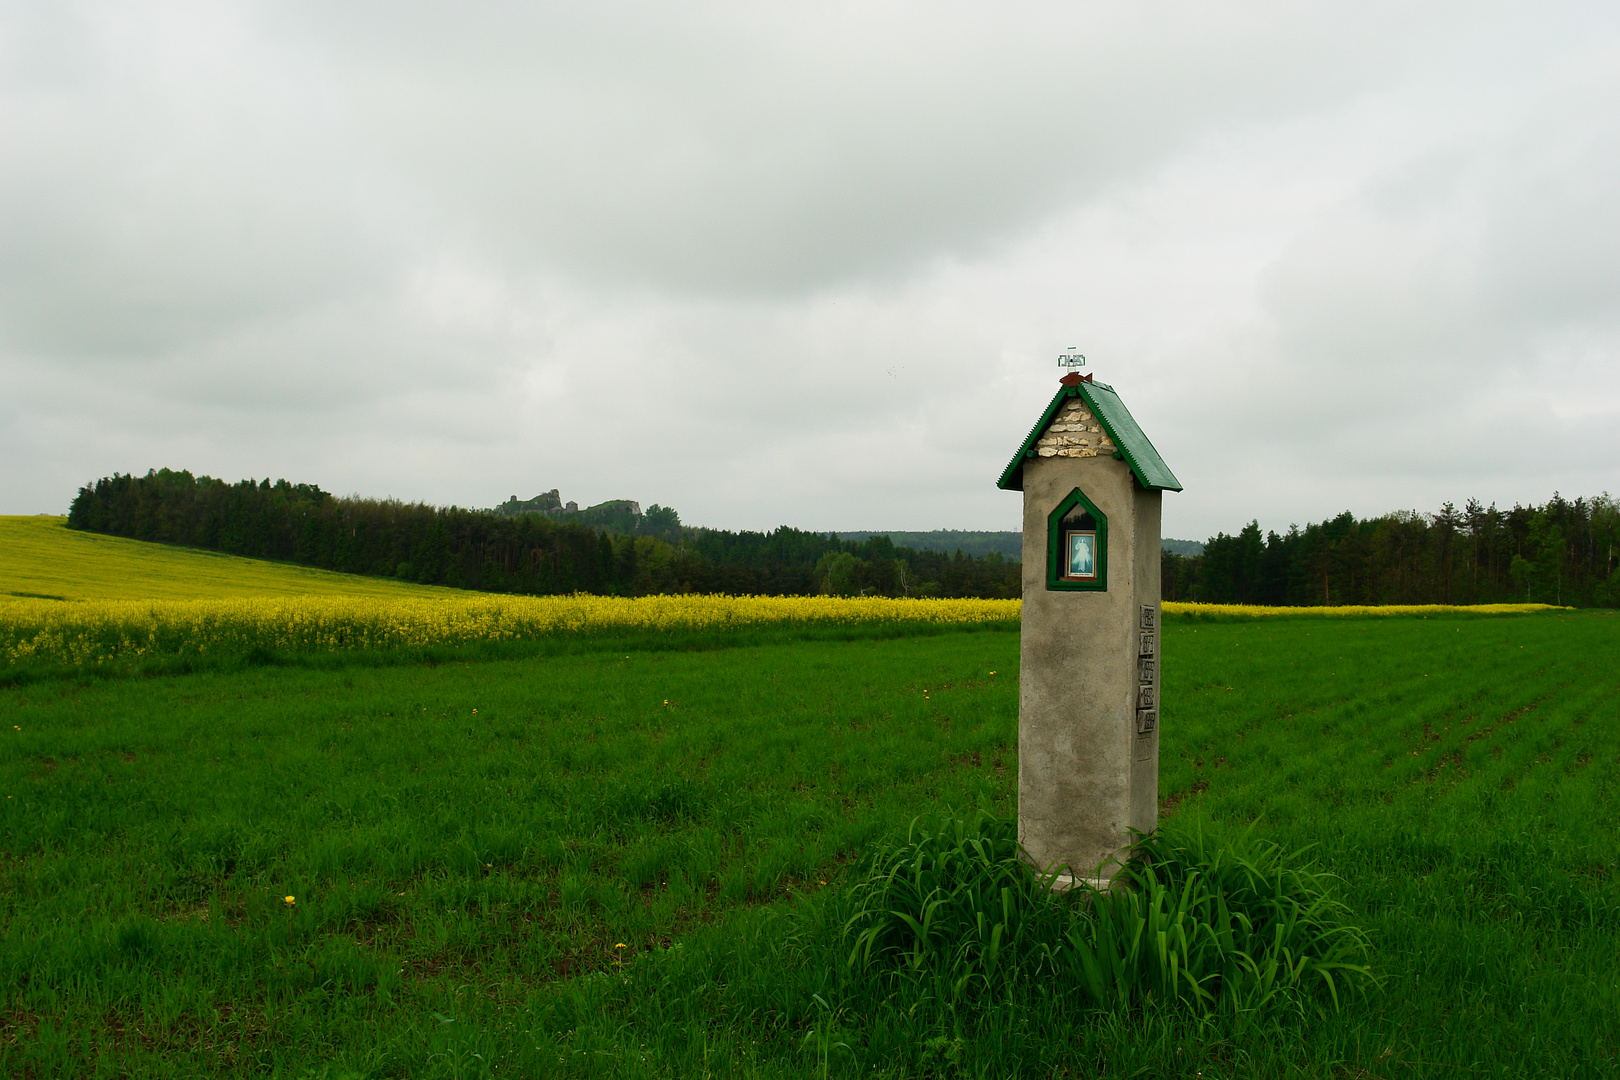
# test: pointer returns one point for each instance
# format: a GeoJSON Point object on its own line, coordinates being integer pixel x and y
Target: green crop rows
{"type": "Point", "coordinates": [631, 864]}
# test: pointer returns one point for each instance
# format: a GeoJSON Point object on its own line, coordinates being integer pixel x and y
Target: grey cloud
{"type": "Point", "coordinates": [808, 265]}
{"type": "Point", "coordinates": [727, 150]}
{"type": "Point", "coordinates": [188, 176]}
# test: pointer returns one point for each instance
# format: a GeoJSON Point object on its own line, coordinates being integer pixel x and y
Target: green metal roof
{"type": "Point", "coordinates": [1149, 468]}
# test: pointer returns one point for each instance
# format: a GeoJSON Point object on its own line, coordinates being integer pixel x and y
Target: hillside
{"type": "Point", "coordinates": [41, 556]}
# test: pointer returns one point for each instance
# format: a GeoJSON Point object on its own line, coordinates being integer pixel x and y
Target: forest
{"type": "Point", "coordinates": [532, 553]}
{"type": "Point", "coordinates": [1559, 553]}
{"type": "Point", "coordinates": [1562, 552]}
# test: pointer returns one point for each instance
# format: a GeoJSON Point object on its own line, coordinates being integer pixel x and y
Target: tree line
{"type": "Point", "coordinates": [1559, 553]}
{"type": "Point", "coordinates": [534, 553]}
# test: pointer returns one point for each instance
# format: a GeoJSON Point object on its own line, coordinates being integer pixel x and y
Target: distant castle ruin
{"type": "Point", "coordinates": [551, 504]}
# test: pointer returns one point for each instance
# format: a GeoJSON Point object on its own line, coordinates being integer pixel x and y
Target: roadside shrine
{"type": "Point", "coordinates": [1088, 702]}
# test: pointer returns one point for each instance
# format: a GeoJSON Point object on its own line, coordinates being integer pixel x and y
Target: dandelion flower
{"type": "Point", "coordinates": [620, 945]}
{"type": "Point", "coordinates": [290, 899]}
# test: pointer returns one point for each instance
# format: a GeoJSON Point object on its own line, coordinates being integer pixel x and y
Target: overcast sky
{"type": "Point", "coordinates": [811, 264]}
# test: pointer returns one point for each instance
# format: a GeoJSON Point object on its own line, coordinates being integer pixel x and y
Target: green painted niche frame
{"type": "Point", "coordinates": [1054, 546]}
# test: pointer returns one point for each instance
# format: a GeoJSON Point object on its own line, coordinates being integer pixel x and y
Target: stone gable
{"type": "Point", "coordinates": [1074, 433]}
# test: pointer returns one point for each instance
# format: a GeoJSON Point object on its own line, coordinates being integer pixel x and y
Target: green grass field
{"type": "Point", "coordinates": [630, 864]}
{"type": "Point", "coordinates": [41, 557]}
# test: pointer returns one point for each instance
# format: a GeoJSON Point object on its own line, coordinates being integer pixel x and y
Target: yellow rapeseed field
{"type": "Point", "coordinates": [98, 631]}
{"type": "Point", "coordinates": [82, 598]}
{"type": "Point", "coordinates": [78, 598]}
